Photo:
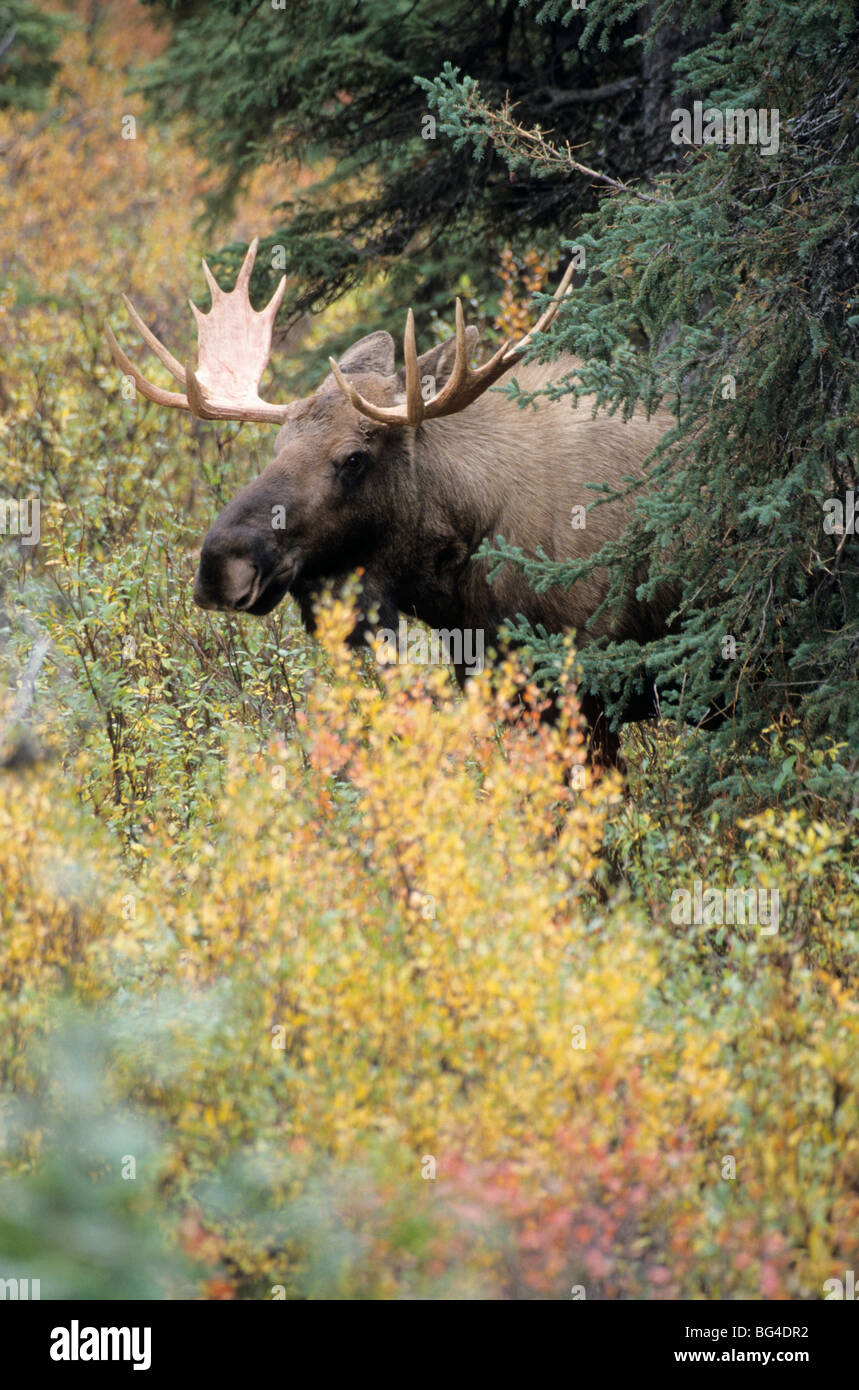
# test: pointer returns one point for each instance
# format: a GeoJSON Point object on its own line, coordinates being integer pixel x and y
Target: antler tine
{"type": "Point", "coordinates": [233, 345]}
{"type": "Point", "coordinates": [270, 310]}
{"type": "Point", "coordinates": [175, 368]}
{"type": "Point", "coordinates": [146, 388]}
{"type": "Point", "coordinates": [412, 412]}
{"type": "Point", "coordinates": [414, 398]}
{"type": "Point", "coordinates": [550, 312]}
{"type": "Point", "coordinates": [464, 385]}
{"type": "Point", "coordinates": [461, 379]}
{"type": "Point", "coordinates": [244, 276]}
{"type": "Point", "coordinates": [385, 414]}
{"type": "Point", "coordinates": [460, 362]}
{"type": "Point", "coordinates": [214, 288]}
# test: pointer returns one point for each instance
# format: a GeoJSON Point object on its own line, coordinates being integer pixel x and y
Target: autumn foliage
{"type": "Point", "coordinates": [376, 983]}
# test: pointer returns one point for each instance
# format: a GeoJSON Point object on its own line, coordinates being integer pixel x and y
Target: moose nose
{"type": "Point", "coordinates": [226, 581]}
{"type": "Point", "coordinates": [201, 595]}
{"type": "Point", "coordinates": [244, 600]}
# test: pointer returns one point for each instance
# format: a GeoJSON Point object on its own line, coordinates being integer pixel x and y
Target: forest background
{"type": "Point", "coordinates": [315, 981]}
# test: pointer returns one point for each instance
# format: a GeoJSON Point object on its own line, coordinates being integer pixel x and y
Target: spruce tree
{"type": "Point", "coordinates": [28, 42]}
{"type": "Point", "coordinates": [727, 289]}
{"type": "Point", "coordinates": [329, 86]}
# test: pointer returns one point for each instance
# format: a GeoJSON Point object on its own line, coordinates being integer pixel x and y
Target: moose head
{"type": "Point", "coordinates": [344, 458]}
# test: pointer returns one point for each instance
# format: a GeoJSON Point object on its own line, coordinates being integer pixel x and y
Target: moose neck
{"type": "Point", "coordinates": [467, 471]}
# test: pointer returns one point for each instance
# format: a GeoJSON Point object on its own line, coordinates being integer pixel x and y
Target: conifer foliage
{"type": "Point", "coordinates": [28, 42]}
{"type": "Point", "coordinates": [331, 84]}
{"type": "Point", "coordinates": [739, 268]}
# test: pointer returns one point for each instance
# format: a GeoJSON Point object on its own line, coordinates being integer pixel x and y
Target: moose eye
{"type": "Point", "coordinates": [353, 465]}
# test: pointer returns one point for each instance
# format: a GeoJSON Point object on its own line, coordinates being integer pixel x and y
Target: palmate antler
{"type": "Point", "coordinates": [233, 346]}
{"type": "Point", "coordinates": [464, 384]}
{"type": "Point", "coordinates": [234, 342]}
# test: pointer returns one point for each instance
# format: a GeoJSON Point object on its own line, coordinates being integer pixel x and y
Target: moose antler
{"type": "Point", "coordinates": [464, 384]}
{"type": "Point", "coordinates": [233, 346]}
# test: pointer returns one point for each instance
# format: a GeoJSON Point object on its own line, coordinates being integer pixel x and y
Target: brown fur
{"type": "Point", "coordinates": [415, 510]}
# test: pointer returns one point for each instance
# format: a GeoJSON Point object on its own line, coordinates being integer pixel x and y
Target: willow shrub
{"type": "Point", "coordinates": [393, 1039]}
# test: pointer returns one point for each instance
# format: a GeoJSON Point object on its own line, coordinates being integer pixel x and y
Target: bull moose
{"type": "Point", "coordinates": [404, 473]}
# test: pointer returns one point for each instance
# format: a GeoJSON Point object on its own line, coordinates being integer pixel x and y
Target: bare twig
{"type": "Point", "coordinates": [6, 44]}
{"type": "Point", "coordinates": [586, 95]}
{"type": "Point", "coordinates": [511, 138]}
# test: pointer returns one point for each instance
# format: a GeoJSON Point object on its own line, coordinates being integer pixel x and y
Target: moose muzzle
{"type": "Point", "coordinates": [240, 572]}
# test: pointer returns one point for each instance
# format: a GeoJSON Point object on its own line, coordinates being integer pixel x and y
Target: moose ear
{"type": "Point", "coordinates": [375, 353]}
{"type": "Point", "coordinates": [438, 362]}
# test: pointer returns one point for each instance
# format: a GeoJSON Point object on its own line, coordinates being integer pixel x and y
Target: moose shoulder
{"type": "Point", "coordinates": [404, 473]}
